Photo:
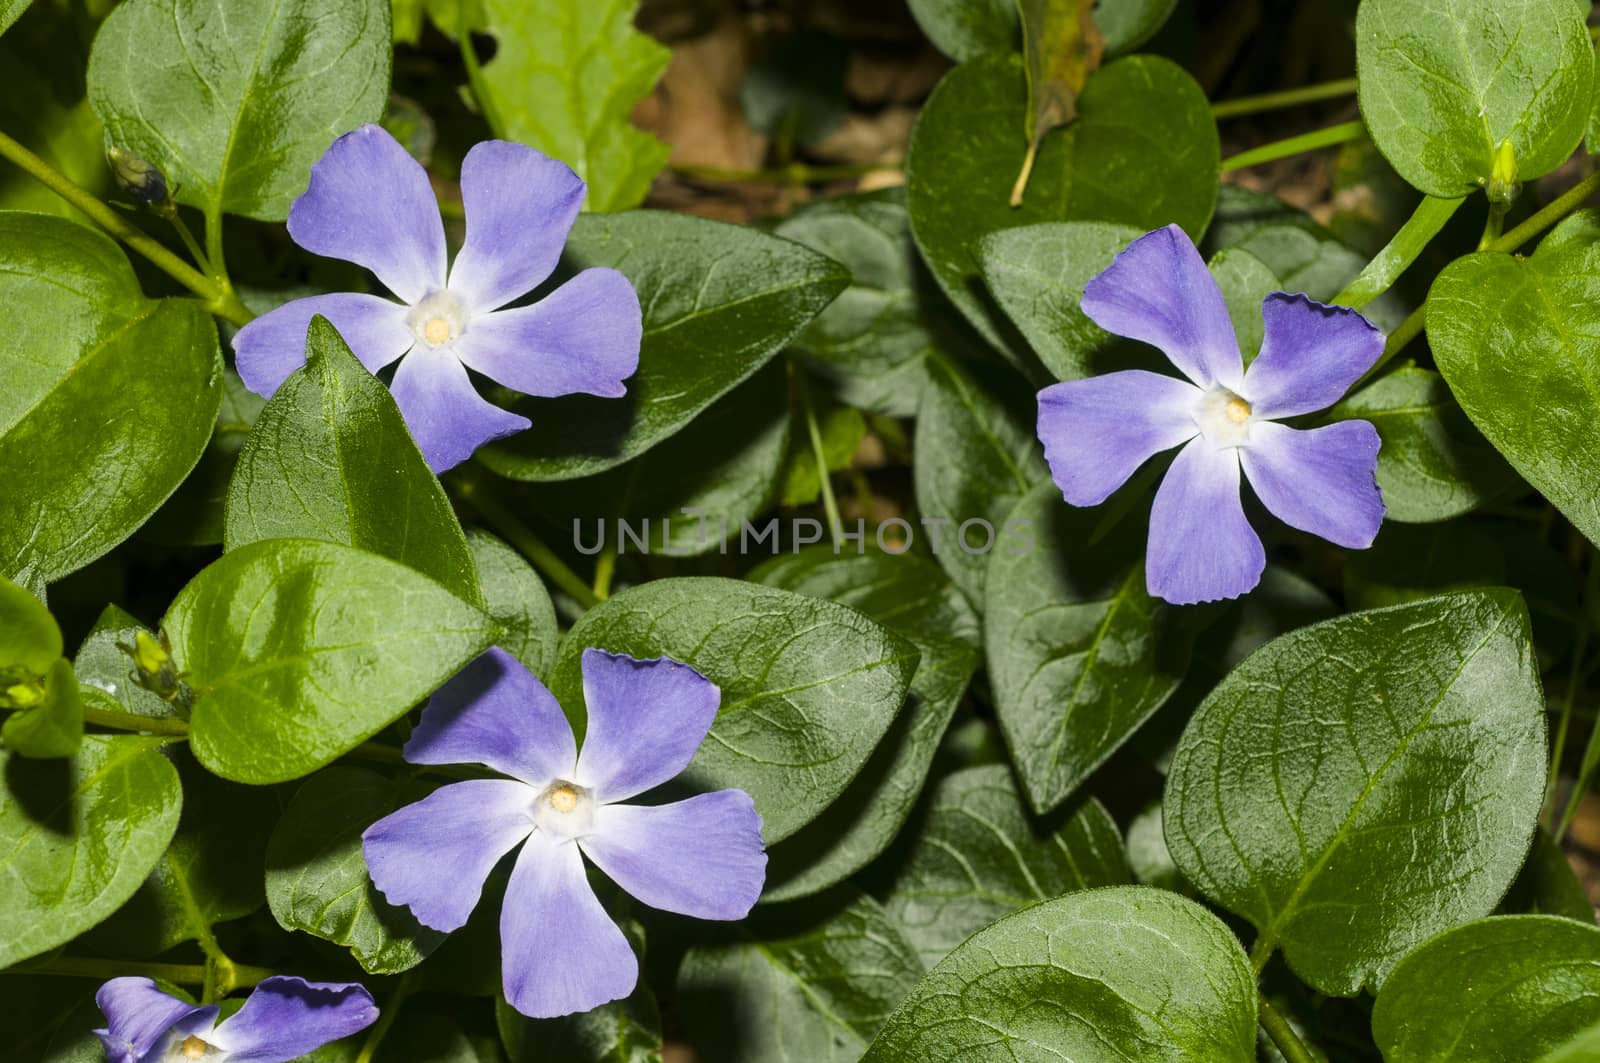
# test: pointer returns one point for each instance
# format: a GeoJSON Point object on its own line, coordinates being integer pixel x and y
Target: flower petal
{"type": "Point", "coordinates": [1201, 547]}
{"type": "Point", "coordinates": [496, 713]}
{"type": "Point", "coordinates": [582, 337]}
{"type": "Point", "coordinates": [702, 857]}
{"type": "Point", "coordinates": [273, 346]}
{"type": "Point", "coordinates": [1310, 356]}
{"type": "Point", "coordinates": [1158, 290]}
{"type": "Point", "coordinates": [1098, 431]}
{"type": "Point", "coordinates": [285, 1017]}
{"type": "Point", "coordinates": [520, 206]}
{"type": "Point", "coordinates": [138, 1016]}
{"type": "Point", "coordinates": [434, 856]}
{"type": "Point", "coordinates": [369, 202]}
{"type": "Point", "coordinates": [1323, 480]}
{"type": "Point", "coordinates": [446, 415]}
{"type": "Point", "coordinates": [646, 719]}
{"type": "Point", "coordinates": [559, 951]}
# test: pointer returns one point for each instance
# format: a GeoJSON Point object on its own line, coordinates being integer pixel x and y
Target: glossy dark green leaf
{"type": "Point", "coordinates": [317, 878]}
{"type": "Point", "coordinates": [1514, 987]}
{"type": "Point", "coordinates": [1126, 24]}
{"type": "Point", "coordinates": [1129, 973]}
{"type": "Point", "coordinates": [1079, 654]}
{"type": "Point", "coordinates": [809, 687]}
{"type": "Point", "coordinates": [83, 337]}
{"type": "Point", "coordinates": [622, 1031]}
{"type": "Point", "coordinates": [1358, 785]}
{"type": "Point", "coordinates": [814, 982]}
{"type": "Point", "coordinates": [979, 855]}
{"type": "Point", "coordinates": [196, 514]}
{"type": "Point", "coordinates": [516, 599]}
{"type": "Point", "coordinates": [1433, 465]}
{"type": "Point", "coordinates": [235, 102]}
{"type": "Point", "coordinates": [78, 836]}
{"type": "Point", "coordinates": [1143, 152]}
{"type": "Point", "coordinates": [719, 301]}
{"type": "Point", "coordinates": [297, 650]}
{"type": "Point", "coordinates": [330, 458]}
{"type": "Point", "coordinates": [912, 597]}
{"type": "Point", "coordinates": [1518, 339]}
{"type": "Point", "coordinates": [1445, 82]}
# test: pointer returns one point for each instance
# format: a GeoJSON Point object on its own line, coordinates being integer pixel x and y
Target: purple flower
{"type": "Point", "coordinates": [560, 951]}
{"type": "Point", "coordinates": [282, 1019]}
{"type": "Point", "coordinates": [1097, 432]}
{"type": "Point", "coordinates": [370, 203]}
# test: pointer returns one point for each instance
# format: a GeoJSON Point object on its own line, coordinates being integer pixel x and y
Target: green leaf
{"type": "Point", "coordinates": [840, 430]}
{"type": "Point", "coordinates": [1445, 82]}
{"type": "Point", "coordinates": [1126, 24]}
{"type": "Point", "coordinates": [196, 514]}
{"type": "Point", "coordinates": [298, 650]}
{"type": "Point", "coordinates": [1386, 769]}
{"type": "Point", "coordinates": [978, 856]}
{"type": "Point", "coordinates": [79, 836]}
{"type": "Point", "coordinates": [517, 600]}
{"type": "Point", "coordinates": [1515, 987]}
{"type": "Point", "coordinates": [720, 300]}
{"type": "Point", "coordinates": [10, 10]}
{"type": "Point", "coordinates": [534, 89]}
{"type": "Point", "coordinates": [912, 597]}
{"type": "Point", "coordinates": [234, 103]}
{"type": "Point", "coordinates": [1408, 563]}
{"type": "Point", "coordinates": [966, 29]}
{"type": "Point", "coordinates": [82, 337]}
{"type": "Point", "coordinates": [317, 878]}
{"type": "Point", "coordinates": [622, 1031]}
{"type": "Point", "coordinates": [1061, 47]}
{"type": "Point", "coordinates": [1128, 973]}
{"type": "Point", "coordinates": [330, 458]}
{"type": "Point", "coordinates": [1434, 465]}
{"type": "Point", "coordinates": [54, 726]}
{"type": "Point", "coordinates": [1582, 1048]}
{"type": "Point", "coordinates": [1143, 152]}
{"type": "Point", "coordinates": [812, 982]}
{"type": "Point", "coordinates": [975, 459]}
{"type": "Point", "coordinates": [1079, 654]}
{"type": "Point", "coordinates": [1245, 282]}
{"type": "Point", "coordinates": [29, 637]}
{"type": "Point", "coordinates": [1518, 339]}
{"type": "Point", "coordinates": [809, 687]}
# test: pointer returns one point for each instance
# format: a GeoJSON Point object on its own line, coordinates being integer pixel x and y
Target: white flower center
{"type": "Point", "coordinates": [1224, 418]}
{"type": "Point", "coordinates": [564, 809]}
{"type": "Point", "coordinates": [193, 1047]}
{"type": "Point", "coordinates": [438, 319]}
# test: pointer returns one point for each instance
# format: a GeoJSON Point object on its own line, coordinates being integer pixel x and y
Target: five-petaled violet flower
{"type": "Point", "coordinates": [370, 203]}
{"type": "Point", "coordinates": [1097, 432]}
{"type": "Point", "coordinates": [560, 951]}
{"type": "Point", "coordinates": [283, 1019]}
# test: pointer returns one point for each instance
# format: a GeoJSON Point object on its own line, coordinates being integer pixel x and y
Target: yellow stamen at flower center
{"type": "Point", "coordinates": [436, 331]}
{"type": "Point", "coordinates": [193, 1048]}
{"type": "Point", "coordinates": [563, 799]}
{"type": "Point", "coordinates": [1237, 411]}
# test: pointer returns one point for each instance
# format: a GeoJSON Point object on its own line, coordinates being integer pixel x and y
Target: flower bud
{"type": "Point", "coordinates": [1503, 184]}
{"type": "Point", "coordinates": [153, 667]}
{"type": "Point", "coordinates": [139, 178]}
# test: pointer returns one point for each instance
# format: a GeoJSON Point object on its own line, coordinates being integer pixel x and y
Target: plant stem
{"type": "Point", "coordinates": [132, 721]}
{"type": "Point", "coordinates": [219, 299]}
{"type": "Point", "coordinates": [189, 242]}
{"type": "Point", "coordinates": [794, 173]}
{"type": "Point", "coordinates": [244, 975]}
{"type": "Point", "coordinates": [1387, 265]}
{"type": "Point", "coordinates": [519, 535]}
{"type": "Point", "coordinates": [830, 504]}
{"type": "Point", "coordinates": [1282, 149]}
{"type": "Point", "coordinates": [1273, 101]}
{"type": "Point", "coordinates": [386, 1017]}
{"type": "Point", "coordinates": [1282, 1034]}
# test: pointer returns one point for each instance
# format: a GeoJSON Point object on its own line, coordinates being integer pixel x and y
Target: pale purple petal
{"type": "Point", "coordinates": [1310, 356]}
{"type": "Point", "coordinates": [273, 346]}
{"type": "Point", "coordinates": [1158, 290]}
{"type": "Point", "coordinates": [138, 1016]}
{"type": "Point", "coordinates": [495, 713]}
{"type": "Point", "coordinates": [434, 856]}
{"type": "Point", "coordinates": [646, 719]}
{"type": "Point", "coordinates": [560, 952]}
{"type": "Point", "coordinates": [519, 205]}
{"type": "Point", "coordinates": [370, 203]}
{"type": "Point", "coordinates": [446, 415]}
{"type": "Point", "coordinates": [1323, 480]}
{"type": "Point", "coordinates": [702, 856]}
{"type": "Point", "coordinates": [1201, 546]}
{"type": "Point", "coordinates": [284, 1018]}
{"type": "Point", "coordinates": [1098, 431]}
{"type": "Point", "coordinates": [582, 337]}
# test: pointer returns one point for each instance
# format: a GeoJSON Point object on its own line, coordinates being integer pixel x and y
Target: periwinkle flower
{"type": "Point", "coordinates": [1097, 432]}
{"type": "Point", "coordinates": [560, 951]}
{"type": "Point", "coordinates": [369, 202]}
{"type": "Point", "coordinates": [282, 1019]}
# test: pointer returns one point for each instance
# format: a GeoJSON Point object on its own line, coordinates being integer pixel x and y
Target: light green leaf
{"type": "Point", "coordinates": [29, 637]}
{"type": "Point", "coordinates": [1128, 973]}
{"type": "Point", "coordinates": [53, 726]}
{"type": "Point", "coordinates": [1583, 1048]}
{"type": "Point", "coordinates": [517, 600]}
{"type": "Point", "coordinates": [297, 650]}
{"type": "Point", "coordinates": [10, 10]}
{"type": "Point", "coordinates": [1387, 769]}
{"type": "Point", "coordinates": [234, 102]}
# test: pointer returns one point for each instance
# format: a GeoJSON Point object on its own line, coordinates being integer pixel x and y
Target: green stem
{"type": "Point", "coordinates": [244, 975]}
{"type": "Point", "coordinates": [189, 242]}
{"type": "Point", "coordinates": [1492, 226]}
{"type": "Point", "coordinates": [1282, 149]}
{"type": "Point", "coordinates": [386, 1017]}
{"type": "Point", "coordinates": [519, 535]}
{"type": "Point", "coordinates": [1273, 101]}
{"type": "Point", "coordinates": [1294, 1050]}
{"type": "Point", "coordinates": [1386, 267]}
{"type": "Point", "coordinates": [130, 721]}
{"type": "Point", "coordinates": [1548, 215]}
{"type": "Point", "coordinates": [1580, 646]}
{"type": "Point", "coordinates": [794, 173]}
{"type": "Point", "coordinates": [830, 504]}
{"type": "Point", "coordinates": [220, 301]}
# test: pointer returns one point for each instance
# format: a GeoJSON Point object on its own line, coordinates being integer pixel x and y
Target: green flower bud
{"type": "Point", "coordinates": [138, 177]}
{"type": "Point", "coordinates": [153, 667]}
{"type": "Point", "coordinates": [1503, 184]}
